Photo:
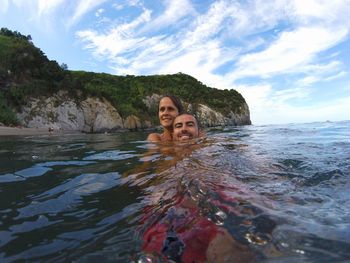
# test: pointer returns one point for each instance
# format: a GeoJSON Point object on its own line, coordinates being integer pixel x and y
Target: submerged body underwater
{"type": "Point", "coordinates": [276, 193]}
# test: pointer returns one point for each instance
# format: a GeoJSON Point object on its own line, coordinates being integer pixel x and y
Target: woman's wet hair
{"type": "Point", "coordinates": [177, 102]}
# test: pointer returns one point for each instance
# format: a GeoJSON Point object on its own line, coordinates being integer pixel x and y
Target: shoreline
{"type": "Point", "coordinates": [19, 131]}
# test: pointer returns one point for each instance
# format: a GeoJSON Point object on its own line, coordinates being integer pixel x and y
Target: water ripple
{"type": "Point", "coordinates": [111, 155]}
{"type": "Point", "coordinates": [278, 193]}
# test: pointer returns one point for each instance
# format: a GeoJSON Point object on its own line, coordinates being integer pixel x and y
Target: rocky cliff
{"type": "Point", "coordinates": [98, 115]}
{"type": "Point", "coordinates": [38, 92]}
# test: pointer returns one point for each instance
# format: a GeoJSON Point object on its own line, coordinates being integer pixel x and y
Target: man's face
{"type": "Point", "coordinates": [185, 128]}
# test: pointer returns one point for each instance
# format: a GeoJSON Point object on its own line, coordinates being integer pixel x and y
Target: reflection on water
{"type": "Point", "coordinates": [254, 193]}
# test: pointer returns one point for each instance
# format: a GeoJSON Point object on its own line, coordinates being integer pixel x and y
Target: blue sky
{"type": "Point", "coordinates": [289, 59]}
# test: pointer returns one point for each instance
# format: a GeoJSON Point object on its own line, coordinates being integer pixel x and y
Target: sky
{"type": "Point", "coordinates": [289, 59]}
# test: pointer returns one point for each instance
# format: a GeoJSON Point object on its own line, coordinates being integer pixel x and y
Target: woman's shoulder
{"type": "Point", "coordinates": [154, 137]}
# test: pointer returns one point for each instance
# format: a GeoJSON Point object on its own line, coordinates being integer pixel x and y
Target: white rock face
{"type": "Point", "coordinates": [62, 112]}
{"type": "Point", "coordinates": [211, 118]}
{"type": "Point", "coordinates": [208, 117]}
{"type": "Point", "coordinates": [51, 112]}
{"type": "Point", "coordinates": [152, 101]}
{"type": "Point", "coordinates": [69, 116]}
{"type": "Point", "coordinates": [98, 115]}
{"type": "Point", "coordinates": [132, 123]}
{"type": "Point", "coordinates": [242, 118]}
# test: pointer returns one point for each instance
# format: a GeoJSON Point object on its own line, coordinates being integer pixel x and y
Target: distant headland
{"type": "Point", "coordinates": [36, 92]}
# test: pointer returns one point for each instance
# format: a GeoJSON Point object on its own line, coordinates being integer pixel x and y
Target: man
{"type": "Point", "coordinates": [185, 127]}
{"type": "Point", "coordinates": [183, 232]}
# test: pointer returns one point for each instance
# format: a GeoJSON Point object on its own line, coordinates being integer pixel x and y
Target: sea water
{"type": "Point", "coordinates": [281, 192]}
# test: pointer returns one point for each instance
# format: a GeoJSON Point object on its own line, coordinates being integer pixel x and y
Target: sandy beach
{"type": "Point", "coordinates": [13, 131]}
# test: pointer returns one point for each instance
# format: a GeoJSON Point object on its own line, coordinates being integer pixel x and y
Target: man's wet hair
{"type": "Point", "coordinates": [193, 115]}
{"type": "Point", "coordinates": [177, 102]}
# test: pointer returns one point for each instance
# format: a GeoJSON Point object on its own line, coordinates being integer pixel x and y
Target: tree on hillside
{"type": "Point", "coordinates": [64, 66]}
{"type": "Point", "coordinates": [7, 32]}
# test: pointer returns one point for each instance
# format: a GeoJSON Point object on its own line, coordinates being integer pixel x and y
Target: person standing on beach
{"type": "Point", "coordinates": [169, 108]}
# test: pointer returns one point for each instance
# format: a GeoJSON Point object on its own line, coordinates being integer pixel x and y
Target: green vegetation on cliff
{"type": "Point", "coordinates": [26, 72]}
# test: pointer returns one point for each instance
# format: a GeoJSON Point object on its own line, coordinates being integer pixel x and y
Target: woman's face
{"type": "Point", "coordinates": [167, 112]}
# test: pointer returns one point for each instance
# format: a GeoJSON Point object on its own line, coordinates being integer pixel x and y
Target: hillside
{"type": "Point", "coordinates": [25, 73]}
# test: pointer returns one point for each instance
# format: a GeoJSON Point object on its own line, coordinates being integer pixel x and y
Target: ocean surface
{"type": "Point", "coordinates": [277, 193]}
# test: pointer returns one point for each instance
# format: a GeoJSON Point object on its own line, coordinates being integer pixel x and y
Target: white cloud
{"type": "Point", "coordinates": [46, 7]}
{"type": "Point", "coordinates": [270, 107]}
{"type": "Point", "coordinates": [28, 6]}
{"type": "Point", "coordinates": [322, 11]}
{"type": "Point", "coordinates": [252, 17]}
{"type": "Point", "coordinates": [290, 51]}
{"type": "Point", "coordinates": [133, 3]}
{"type": "Point", "coordinates": [120, 40]}
{"type": "Point", "coordinates": [83, 7]}
{"type": "Point", "coordinates": [333, 110]}
{"type": "Point", "coordinates": [19, 3]}
{"type": "Point", "coordinates": [118, 6]}
{"type": "Point", "coordinates": [307, 81]}
{"type": "Point", "coordinates": [321, 72]}
{"type": "Point", "coordinates": [200, 62]}
{"type": "Point", "coordinates": [268, 39]}
{"type": "Point", "coordinates": [174, 11]}
{"type": "Point", "coordinates": [258, 99]}
{"type": "Point", "coordinates": [257, 95]}
{"type": "Point", "coordinates": [285, 95]}
{"type": "Point", "coordinates": [331, 66]}
{"type": "Point", "coordinates": [123, 4]}
{"type": "Point", "coordinates": [40, 12]}
{"type": "Point", "coordinates": [208, 25]}
{"type": "Point", "coordinates": [144, 60]}
{"type": "Point", "coordinates": [189, 50]}
{"type": "Point", "coordinates": [4, 4]}
{"type": "Point", "coordinates": [45, 11]}
{"type": "Point", "coordinates": [99, 12]}
{"type": "Point", "coordinates": [337, 76]}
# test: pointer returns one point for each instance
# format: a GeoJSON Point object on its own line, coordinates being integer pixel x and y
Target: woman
{"type": "Point", "coordinates": [169, 107]}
